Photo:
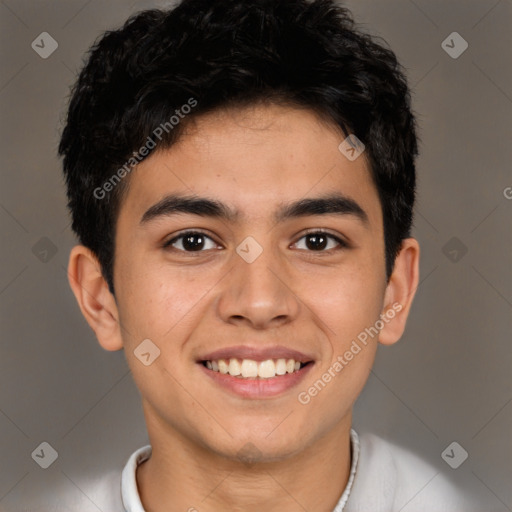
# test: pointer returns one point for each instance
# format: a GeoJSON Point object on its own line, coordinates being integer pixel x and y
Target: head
{"type": "Point", "coordinates": [224, 122]}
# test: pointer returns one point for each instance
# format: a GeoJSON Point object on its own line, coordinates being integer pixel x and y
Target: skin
{"type": "Point", "coordinates": [189, 303]}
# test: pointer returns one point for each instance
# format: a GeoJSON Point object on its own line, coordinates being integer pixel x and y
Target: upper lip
{"type": "Point", "coordinates": [257, 354]}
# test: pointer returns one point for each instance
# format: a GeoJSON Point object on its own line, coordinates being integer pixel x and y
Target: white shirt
{"type": "Point", "coordinates": [384, 478]}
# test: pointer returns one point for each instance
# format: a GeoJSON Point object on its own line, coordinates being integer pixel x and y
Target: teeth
{"type": "Point", "coordinates": [281, 366]}
{"type": "Point", "coordinates": [223, 366]}
{"type": "Point", "coordinates": [267, 369]}
{"type": "Point", "coordinates": [250, 369]}
{"type": "Point", "coordinates": [234, 367]}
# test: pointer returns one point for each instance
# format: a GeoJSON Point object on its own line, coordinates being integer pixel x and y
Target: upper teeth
{"type": "Point", "coordinates": [249, 368]}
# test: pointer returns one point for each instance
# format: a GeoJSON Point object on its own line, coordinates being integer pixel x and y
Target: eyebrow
{"type": "Point", "coordinates": [337, 204]}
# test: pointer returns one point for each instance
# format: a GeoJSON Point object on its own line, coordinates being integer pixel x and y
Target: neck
{"type": "Point", "coordinates": [182, 476]}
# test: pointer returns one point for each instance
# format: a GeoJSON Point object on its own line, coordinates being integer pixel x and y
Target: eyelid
{"type": "Point", "coordinates": [341, 240]}
{"type": "Point", "coordinates": [181, 234]}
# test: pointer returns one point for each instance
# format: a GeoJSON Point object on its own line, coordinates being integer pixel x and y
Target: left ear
{"type": "Point", "coordinates": [400, 292]}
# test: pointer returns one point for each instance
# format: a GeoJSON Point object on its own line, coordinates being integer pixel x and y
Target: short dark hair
{"type": "Point", "coordinates": [233, 53]}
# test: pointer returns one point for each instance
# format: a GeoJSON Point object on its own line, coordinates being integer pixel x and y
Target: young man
{"type": "Point", "coordinates": [241, 178]}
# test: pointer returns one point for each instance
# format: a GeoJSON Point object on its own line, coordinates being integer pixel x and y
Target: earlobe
{"type": "Point", "coordinates": [400, 292]}
{"type": "Point", "coordinates": [94, 298]}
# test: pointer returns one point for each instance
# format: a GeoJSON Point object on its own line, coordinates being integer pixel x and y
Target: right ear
{"type": "Point", "coordinates": [96, 302]}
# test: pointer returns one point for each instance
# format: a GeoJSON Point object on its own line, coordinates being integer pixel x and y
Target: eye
{"type": "Point", "coordinates": [191, 241]}
{"type": "Point", "coordinates": [320, 241]}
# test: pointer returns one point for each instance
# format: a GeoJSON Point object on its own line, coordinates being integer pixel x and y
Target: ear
{"type": "Point", "coordinates": [400, 292]}
{"type": "Point", "coordinates": [96, 302]}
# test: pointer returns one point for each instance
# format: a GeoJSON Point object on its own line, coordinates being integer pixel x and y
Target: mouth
{"type": "Point", "coordinates": [251, 369]}
{"type": "Point", "coordinates": [254, 372]}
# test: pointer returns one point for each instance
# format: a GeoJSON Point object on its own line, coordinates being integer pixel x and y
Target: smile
{"type": "Point", "coordinates": [251, 369]}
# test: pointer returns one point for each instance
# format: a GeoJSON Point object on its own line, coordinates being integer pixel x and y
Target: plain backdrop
{"type": "Point", "coordinates": [448, 379]}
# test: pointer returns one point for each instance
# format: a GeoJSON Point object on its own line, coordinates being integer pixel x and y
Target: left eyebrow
{"type": "Point", "coordinates": [337, 204]}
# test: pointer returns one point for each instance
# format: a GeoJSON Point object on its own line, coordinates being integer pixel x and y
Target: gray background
{"type": "Point", "coordinates": [449, 379]}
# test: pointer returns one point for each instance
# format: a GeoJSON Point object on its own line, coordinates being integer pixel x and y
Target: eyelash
{"type": "Point", "coordinates": [342, 243]}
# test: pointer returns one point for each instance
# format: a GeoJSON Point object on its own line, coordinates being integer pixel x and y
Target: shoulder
{"type": "Point", "coordinates": [392, 478]}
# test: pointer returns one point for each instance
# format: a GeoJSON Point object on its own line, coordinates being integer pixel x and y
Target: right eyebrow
{"type": "Point", "coordinates": [173, 204]}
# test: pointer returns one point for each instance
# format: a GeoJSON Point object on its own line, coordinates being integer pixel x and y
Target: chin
{"type": "Point", "coordinates": [259, 448]}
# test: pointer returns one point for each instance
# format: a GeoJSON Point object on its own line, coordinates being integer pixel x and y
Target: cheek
{"type": "Point", "coordinates": [348, 305]}
{"type": "Point", "coordinates": [348, 300]}
{"type": "Point", "coordinates": [159, 302]}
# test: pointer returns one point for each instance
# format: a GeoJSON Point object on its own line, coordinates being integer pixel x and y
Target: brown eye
{"type": "Point", "coordinates": [191, 241]}
{"type": "Point", "coordinates": [320, 242]}
{"type": "Point", "coordinates": [316, 242]}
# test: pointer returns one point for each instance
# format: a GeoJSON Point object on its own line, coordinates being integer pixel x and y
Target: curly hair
{"type": "Point", "coordinates": [234, 53]}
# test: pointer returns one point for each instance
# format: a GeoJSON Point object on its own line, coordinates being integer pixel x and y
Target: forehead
{"type": "Point", "coordinates": [253, 159]}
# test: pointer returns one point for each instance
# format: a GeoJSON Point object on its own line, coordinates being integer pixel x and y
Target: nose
{"type": "Point", "coordinates": [258, 294]}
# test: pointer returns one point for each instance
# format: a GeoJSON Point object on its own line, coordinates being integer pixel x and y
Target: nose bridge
{"type": "Point", "coordinates": [257, 288]}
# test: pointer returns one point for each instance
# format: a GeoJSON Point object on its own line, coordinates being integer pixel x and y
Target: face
{"type": "Point", "coordinates": [254, 239]}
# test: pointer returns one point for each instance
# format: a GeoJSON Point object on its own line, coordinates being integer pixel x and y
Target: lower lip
{"type": "Point", "coordinates": [258, 388]}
